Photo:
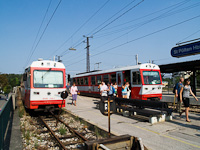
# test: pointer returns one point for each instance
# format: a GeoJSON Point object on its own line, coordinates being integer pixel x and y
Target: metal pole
{"type": "Point", "coordinates": [88, 56]}
{"type": "Point", "coordinates": [108, 117]}
{"type": "Point", "coordinates": [194, 82]}
{"type": "Point", "coordinates": [136, 57]}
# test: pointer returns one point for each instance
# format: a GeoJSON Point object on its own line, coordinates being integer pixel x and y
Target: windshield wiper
{"type": "Point", "coordinates": [46, 73]}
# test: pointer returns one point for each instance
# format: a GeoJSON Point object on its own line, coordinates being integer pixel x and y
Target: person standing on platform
{"type": "Point", "coordinates": [110, 90]}
{"type": "Point", "coordinates": [128, 90]}
{"type": "Point", "coordinates": [68, 88]}
{"type": "Point", "coordinates": [124, 91]}
{"type": "Point", "coordinates": [178, 87]}
{"type": "Point", "coordinates": [184, 96]}
{"type": "Point", "coordinates": [116, 87]}
{"type": "Point", "coordinates": [74, 91]}
{"type": "Point", "coordinates": [104, 91]}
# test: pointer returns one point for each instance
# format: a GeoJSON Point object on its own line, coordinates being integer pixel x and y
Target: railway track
{"type": "Point", "coordinates": [67, 137]}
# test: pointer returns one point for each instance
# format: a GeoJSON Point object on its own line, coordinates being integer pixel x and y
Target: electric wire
{"type": "Point", "coordinates": [80, 28]}
{"type": "Point", "coordinates": [120, 45]}
{"type": "Point", "coordinates": [45, 29]}
{"type": "Point", "coordinates": [189, 36]}
{"type": "Point", "coordinates": [166, 14]}
{"type": "Point", "coordinates": [39, 30]}
{"type": "Point", "coordinates": [117, 18]}
{"type": "Point", "coordinates": [145, 15]}
{"type": "Point", "coordinates": [91, 33]}
{"type": "Point", "coordinates": [146, 22]}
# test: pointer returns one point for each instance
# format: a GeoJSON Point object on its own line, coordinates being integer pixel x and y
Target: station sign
{"type": "Point", "coordinates": [186, 50]}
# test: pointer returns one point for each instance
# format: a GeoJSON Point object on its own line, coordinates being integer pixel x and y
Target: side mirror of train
{"type": "Point", "coordinates": [24, 77]}
{"type": "Point", "coordinates": [64, 94]}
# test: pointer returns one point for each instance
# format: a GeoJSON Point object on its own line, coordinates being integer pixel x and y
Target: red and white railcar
{"type": "Point", "coordinates": [43, 81]}
{"type": "Point", "coordinates": [145, 81]}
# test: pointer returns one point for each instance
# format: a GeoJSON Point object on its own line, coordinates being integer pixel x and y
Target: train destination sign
{"type": "Point", "coordinates": [186, 50]}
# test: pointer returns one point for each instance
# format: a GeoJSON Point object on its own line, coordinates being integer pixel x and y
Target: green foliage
{"type": "Point", "coordinates": [8, 81]}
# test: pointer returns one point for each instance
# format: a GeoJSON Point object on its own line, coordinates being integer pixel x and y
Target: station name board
{"type": "Point", "coordinates": [186, 50]}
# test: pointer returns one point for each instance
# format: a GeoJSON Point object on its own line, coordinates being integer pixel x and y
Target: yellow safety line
{"type": "Point", "coordinates": [154, 132]}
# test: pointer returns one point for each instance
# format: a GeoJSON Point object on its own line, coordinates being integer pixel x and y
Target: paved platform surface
{"type": "Point", "coordinates": [174, 135]}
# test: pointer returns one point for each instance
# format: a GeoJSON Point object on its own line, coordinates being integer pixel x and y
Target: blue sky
{"type": "Point", "coordinates": [115, 45]}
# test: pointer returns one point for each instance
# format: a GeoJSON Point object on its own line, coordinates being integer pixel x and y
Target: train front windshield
{"type": "Point", "coordinates": [151, 77]}
{"type": "Point", "coordinates": [48, 79]}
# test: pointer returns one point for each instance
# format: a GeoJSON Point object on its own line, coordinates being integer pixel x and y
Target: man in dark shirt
{"type": "Point", "coordinates": [178, 87]}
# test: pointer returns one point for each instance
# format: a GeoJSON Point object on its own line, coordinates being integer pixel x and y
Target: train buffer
{"type": "Point", "coordinates": [156, 111]}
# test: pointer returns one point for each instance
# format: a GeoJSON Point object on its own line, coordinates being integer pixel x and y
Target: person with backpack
{"type": "Point", "coordinates": [110, 90]}
{"type": "Point", "coordinates": [184, 96]}
{"type": "Point", "coordinates": [178, 87]}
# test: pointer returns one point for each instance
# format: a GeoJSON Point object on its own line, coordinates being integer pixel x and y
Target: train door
{"type": "Point", "coordinates": [135, 84]}
{"type": "Point", "coordinates": [119, 83]}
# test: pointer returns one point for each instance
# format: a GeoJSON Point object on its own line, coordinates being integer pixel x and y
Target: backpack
{"type": "Point", "coordinates": [174, 89]}
{"type": "Point", "coordinates": [113, 89]}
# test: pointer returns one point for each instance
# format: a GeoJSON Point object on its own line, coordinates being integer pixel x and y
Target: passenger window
{"type": "Point", "coordinates": [99, 79]}
{"type": "Point", "coordinates": [93, 80]}
{"type": "Point", "coordinates": [81, 81]}
{"type": "Point", "coordinates": [86, 81]}
{"type": "Point", "coordinates": [136, 78]}
{"type": "Point", "coordinates": [113, 78]}
{"type": "Point", "coordinates": [78, 81]}
{"type": "Point", "coordinates": [106, 79]}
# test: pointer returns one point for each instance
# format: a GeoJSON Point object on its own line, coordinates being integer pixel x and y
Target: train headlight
{"type": "Point", "coordinates": [159, 88]}
{"type": "Point", "coordinates": [36, 93]}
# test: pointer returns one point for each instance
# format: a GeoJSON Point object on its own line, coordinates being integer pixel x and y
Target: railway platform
{"type": "Point", "coordinates": [174, 134]}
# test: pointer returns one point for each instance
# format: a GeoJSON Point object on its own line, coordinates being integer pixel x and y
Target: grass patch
{"type": "Point", "coordinates": [62, 130]}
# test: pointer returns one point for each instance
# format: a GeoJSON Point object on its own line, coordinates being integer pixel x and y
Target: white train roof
{"type": "Point", "coordinates": [136, 67]}
{"type": "Point", "coordinates": [47, 64]}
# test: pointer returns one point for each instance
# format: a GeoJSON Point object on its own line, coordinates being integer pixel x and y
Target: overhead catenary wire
{"type": "Point", "coordinates": [96, 12]}
{"type": "Point", "coordinates": [39, 31]}
{"type": "Point", "coordinates": [44, 30]}
{"type": "Point", "coordinates": [146, 22]}
{"type": "Point", "coordinates": [145, 16]}
{"type": "Point", "coordinates": [188, 36]}
{"type": "Point", "coordinates": [140, 24]}
{"type": "Point", "coordinates": [117, 18]}
{"type": "Point", "coordinates": [91, 33]}
{"type": "Point", "coordinates": [166, 14]}
{"type": "Point", "coordinates": [120, 45]}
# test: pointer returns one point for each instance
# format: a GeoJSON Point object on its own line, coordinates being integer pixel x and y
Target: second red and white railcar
{"type": "Point", "coordinates": [145, 81]}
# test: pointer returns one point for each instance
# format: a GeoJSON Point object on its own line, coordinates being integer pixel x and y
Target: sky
{"type": "Point", "coordinates": [118, 30]}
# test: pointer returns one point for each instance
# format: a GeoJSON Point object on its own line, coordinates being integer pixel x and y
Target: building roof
{"type": "Point", "coordinates": [181, 66]}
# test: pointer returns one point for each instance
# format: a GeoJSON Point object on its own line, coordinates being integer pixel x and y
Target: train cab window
{"type": "Point", "coordinates": [136, 78]}
{"type": "Point", "coordinates": [86, 81]}
{"type": "Point", "coordinates": [48, 79]}
{"type": "Point", "coordinates": [113, 78]}
{"type": "Point", "coordinates": [93, 80]}
{"type": "Point", "coordinates": [81, 81]}
{"type": "Point", "coordinates": [99, 79]}
{"type": "Point", "coordinates": [151, 77]}
{"type": "Point", "coordinates": [106, 78]}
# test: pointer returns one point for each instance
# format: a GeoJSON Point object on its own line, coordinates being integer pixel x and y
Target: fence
{"type": "Point", "coordinates": [5, 116]}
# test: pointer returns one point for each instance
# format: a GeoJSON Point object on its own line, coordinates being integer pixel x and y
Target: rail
{"type": "Point", "coordinates": [5, 116]}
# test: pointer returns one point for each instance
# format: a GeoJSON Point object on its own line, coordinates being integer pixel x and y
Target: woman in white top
{"type": "Point", "coordinates": [74, 91]}
{"type": "Point", "coordinates": [116, 87]}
